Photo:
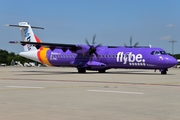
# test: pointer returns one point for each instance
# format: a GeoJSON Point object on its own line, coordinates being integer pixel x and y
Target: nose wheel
{"type": "Point", "coordinates": [164, 71]}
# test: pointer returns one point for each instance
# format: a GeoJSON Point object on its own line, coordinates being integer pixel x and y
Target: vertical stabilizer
{"type": "Point", "coordinates": [28, 35]}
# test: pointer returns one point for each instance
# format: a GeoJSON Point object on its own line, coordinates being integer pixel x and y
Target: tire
{"type": "Point", "coordinates": [163, 72]}
{"type": "Point", "coordinates": [81, 70]}
{"type": "Point", "coordinates": [102, 71]}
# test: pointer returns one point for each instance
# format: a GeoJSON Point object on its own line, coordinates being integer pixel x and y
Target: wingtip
{"type": "Point", "coordinates": [13, 42]}
{"type": "Point", "coordinates": [6, 25]}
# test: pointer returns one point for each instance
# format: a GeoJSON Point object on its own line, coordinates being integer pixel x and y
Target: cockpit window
{"type": "Point", "coordinates": [158, 53]}
{"type": "Point", "coordinates": [163, 52]}
{"type": "Point", "coordinates": [152, 53]}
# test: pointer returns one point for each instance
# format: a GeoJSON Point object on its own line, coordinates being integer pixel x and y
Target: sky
{"type": "Point", "coordinates": [149, 22]}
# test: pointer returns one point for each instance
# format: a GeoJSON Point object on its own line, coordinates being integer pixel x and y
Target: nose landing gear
{"type": "Point", "coordinates": [164, 71]}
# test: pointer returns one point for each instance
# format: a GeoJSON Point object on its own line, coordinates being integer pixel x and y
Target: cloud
{"type": "Point", "coordinates": [169, 25]}
{"type": "Point", "coordinates": [165, 37]}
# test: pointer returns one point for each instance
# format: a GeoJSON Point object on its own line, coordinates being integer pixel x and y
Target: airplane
{"type": "Point", "coordinates": [91, 56]}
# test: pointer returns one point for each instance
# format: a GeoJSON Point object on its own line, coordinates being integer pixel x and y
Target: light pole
{"type": "Point", "coordinates": [172, 41]}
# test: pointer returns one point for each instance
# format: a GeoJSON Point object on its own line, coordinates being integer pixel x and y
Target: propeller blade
{"type": "Point", "coordinates": [125, 45]}
{"type": "Point", "coordinates": [87, 42]}
{"type": "Point", "coordinates": [131, 46]}
{"type": "Point", "coordinates": [99, 45]}
{"type": "Point", "coordinates": [137, 43]}
{"type": "Point", "coordinates": [96, 55]}
{"type": "Point", "coordinates": [91, 58]}
{"type": "Point", "coordinates": [92, 48]}
{"type": "Point", "coordinates": [94, 37]}
{"type": "Point", "coordinates": [131, 41]}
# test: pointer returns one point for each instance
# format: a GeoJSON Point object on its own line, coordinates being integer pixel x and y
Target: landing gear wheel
{"type": "Point", "coordinates": [102, 71]}
{"type": "Point", "coordinates": [81, 70]}
{"type": "Point", "coordinates": [164, 72]}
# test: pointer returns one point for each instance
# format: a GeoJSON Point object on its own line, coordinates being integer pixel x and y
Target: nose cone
{"type": "Point", "coordinates": [171, 61]}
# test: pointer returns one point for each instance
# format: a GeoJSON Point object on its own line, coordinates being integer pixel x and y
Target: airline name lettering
{"type": "Point", "coordinates": [129, 57]}
{"type": "Point", "coordinates": [54, 56]}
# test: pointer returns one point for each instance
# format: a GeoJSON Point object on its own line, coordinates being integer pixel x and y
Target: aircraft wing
{"type": "Point", "coordinates": [52, 46]}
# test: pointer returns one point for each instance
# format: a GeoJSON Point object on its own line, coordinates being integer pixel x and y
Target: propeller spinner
{"type": "Point", "coordinates": [92, 48]}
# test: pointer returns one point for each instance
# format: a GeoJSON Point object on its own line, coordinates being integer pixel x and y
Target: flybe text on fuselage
{"type": "Point", "coordinates": [129, 57]}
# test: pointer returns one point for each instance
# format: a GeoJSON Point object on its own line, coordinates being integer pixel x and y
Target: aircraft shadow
{"type": "Point", "coordinates": [131, 72]}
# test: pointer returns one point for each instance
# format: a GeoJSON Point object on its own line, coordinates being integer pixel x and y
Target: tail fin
{"type": "Point", "coordinates": [28, 35]}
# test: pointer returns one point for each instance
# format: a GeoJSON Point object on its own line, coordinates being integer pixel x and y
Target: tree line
{"type": "Point", "coordinates": [177, 56]}
{"type": "Point", "coordinates": [6, 57]}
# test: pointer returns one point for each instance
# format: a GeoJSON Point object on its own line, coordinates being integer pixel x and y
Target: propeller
{"type": "Point", "coordinates": [131, 41]}
{"type": "Point", "coordinates": [135, 45]}
{"type": "Point", "coordinates": [92, 48]}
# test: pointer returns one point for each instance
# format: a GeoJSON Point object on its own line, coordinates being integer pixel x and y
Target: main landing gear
{"type": "Point", "coordinates": [81, 70]}
{"type": "Point", "coordinates": [102, 71]}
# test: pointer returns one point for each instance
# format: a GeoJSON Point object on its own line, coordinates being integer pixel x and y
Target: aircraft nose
{"type": "Point", "coordinates": [172, 61]}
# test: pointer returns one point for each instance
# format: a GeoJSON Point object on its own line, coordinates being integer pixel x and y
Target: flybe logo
{"type": "Point", "coordinates": [27, 37]}
{"type": "Point", "coordinates": [54, 56]}
{"type": "Point", "coordinates": [129, 57]}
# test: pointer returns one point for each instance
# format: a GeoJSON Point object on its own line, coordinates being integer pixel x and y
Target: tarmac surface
{"type": "Point", "coordinates": [49, 93]}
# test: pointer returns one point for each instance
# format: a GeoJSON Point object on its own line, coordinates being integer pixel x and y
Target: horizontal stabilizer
{"type": "Point", "coordinates": [21, 26]}
{"type": "Point", "coordinates": [15, 42]}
